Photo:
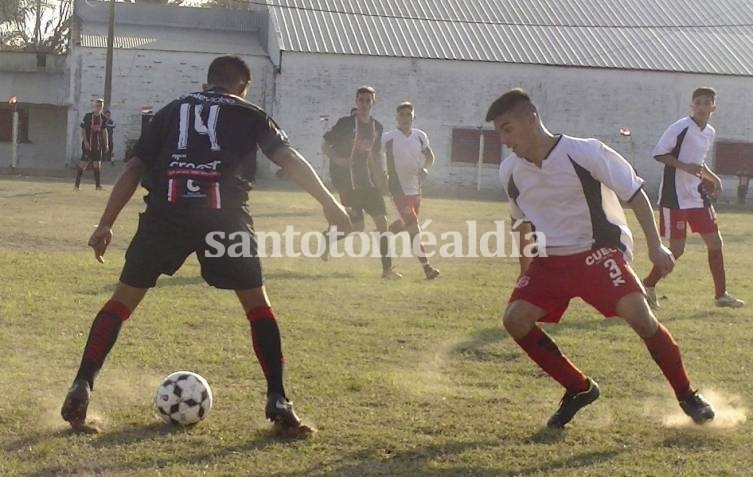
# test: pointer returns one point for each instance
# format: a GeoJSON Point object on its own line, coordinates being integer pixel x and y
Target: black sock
{"type": "Point", "coordinates": [384, 251]}
{"type": "Point", "coordinates": [265, 338]}
{"type": "Point", "coordinates": [96, 176]}
{"type": "Point", "coordinates": [79, 173]}
{"type": "Point", "coordinates": [102, 337]}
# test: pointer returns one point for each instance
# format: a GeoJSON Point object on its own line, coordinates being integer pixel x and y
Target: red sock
{"type": "Point", "coordinates": [666, 353]}
{"type": "Point", "coordinates": [544, 351]}
{"type": "Point", "coordinates": [653, 278]}
{"type": "Point", "coordinates": [716, 264]}
{"type": "Point", "coordinates": [265, 338]}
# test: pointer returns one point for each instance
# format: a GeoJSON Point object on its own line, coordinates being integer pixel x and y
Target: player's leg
{"type": "Point", "coordinates": [634, 309]}
{"type": "Point", "coordinates": [409, 213]}
{"type": "Point", "coordinates": [373, 204]}
{"type": "Point", "coordinates": [673, 228]}
{"type": "Point", "coordinates": [96, 156]}
{"type": "Point", "coordinates": [80, 172]}
{"type": "Point", "coordinates": [102, 336]}
{"type": "Point", "coordinates": [157, 247]}
{"type": "Point", "coordinates": [703, 221]}
{"type": "Point", "coordinates": [243, 275]}
{"type": "Point", "coordinates": [543, 294]}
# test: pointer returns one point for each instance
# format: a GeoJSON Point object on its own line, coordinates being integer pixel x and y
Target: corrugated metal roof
{"type": "Point", "coordinates": [172, 39]}
{"type": "Point", "coordinates": [665, 35]}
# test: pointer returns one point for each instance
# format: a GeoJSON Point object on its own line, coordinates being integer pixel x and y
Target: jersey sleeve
{"type": "Point", "coordinates": [271, 137]}
{"type": "Point", "coordinates": [508, 184]}
{"type": "Point", "coordinates": [377, 148]}
{"type": "Point", "coordinates": [86, 121]}
{"type": "Point", "coordinates": [337, 133]}
{"type": "Point", "coordinates": [667, 142]}
{"type": "Point", "coordinates": [424, 140]}
{"type": "Point", "coordinates": [611, 169]}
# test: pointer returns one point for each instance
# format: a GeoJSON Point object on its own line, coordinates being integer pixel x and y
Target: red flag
{"type": "Point", "coordinates": [12, 100]}
{"type": "Point", "coordinates": [625, 132]}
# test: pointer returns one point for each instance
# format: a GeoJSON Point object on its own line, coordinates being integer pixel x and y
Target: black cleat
{"type": "Point", "coordinates": [280, 411]}
{"type": "Point", "coordinates": [697, 408]}
{"type": "Point", "coordinates": [572, 403]}
{"type": "Point", "coordinates": [430, 272]}
{"type": "Point", "coordinates": [75, 405]}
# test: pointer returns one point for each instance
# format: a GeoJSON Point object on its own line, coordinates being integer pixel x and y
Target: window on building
{"type": "Point", "coordinates": [6, 125]}
{"type": "Point", "coordinates": [465, 142]}
{"type": "Point", "coordinates": [733, 158]}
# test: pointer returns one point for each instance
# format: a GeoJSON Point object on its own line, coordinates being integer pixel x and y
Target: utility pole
{"type": "Point", "coordinates": [108, 61]}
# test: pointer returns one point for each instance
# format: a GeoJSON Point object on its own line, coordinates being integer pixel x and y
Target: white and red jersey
{"type": "Point", "coordinates": [574, 198]}
{"type": "Point", "coordinates": [688, 143]}
{"type": "Point", "coordinates": [404, 159]}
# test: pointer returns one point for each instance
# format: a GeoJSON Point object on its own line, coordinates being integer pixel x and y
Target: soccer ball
{"type": "Point", "coordinates": [183, 398]}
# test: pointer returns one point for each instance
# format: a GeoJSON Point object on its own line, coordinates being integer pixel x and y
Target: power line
{"type": "Point", "coordinates": [504, 23]}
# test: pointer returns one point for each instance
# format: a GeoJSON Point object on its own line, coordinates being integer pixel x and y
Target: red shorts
{"type": "Point", "coordinates": [600, 277]}
{"type": "Point", "coordinates": [408, 207]}
{"type": "Point", "coordinates": [673, 223]}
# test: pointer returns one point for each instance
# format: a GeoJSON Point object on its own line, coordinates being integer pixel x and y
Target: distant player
{"type": "Point", "coordinates": [409, 159]}
{"type": "Point", "coordinates": [196, 160]}
{"type": "Point", "coordinates": [683, 197]}
{"type": "Point", "coordinates": [110, 126]}
{"type": "Point", "coordinates": [354, 148]}
{"type": "Point", "coordinates": [569, 190]}
{"type": "Point", "coordinates": [94, 143]}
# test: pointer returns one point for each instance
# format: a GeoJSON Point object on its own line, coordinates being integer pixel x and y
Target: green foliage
{"type": "Point", "coordinates": [35, 25]}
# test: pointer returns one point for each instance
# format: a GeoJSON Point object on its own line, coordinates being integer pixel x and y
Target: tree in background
{"type": "Point", "coordinates": [35, 25]}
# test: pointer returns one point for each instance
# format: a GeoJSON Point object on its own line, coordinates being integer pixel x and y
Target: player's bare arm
{"type": "Point", "coordinates": [658, 253]}
{"type": "Point", "coordinates": [329, 151]}
{"type": "Point", "coordinates": [709, 175]}
{"type": "Point", "coordinates": [298, 169]}
{"type": "Point", "coordinates": [86, 139]}
{"type": "Point", "coordinates": [429, 161]}
{"type": "Point", "coordinates": [672, 161]}
{"type": "Point", "coordinates": [121, 193]}
{"type": "Point", "coordinates": [523, 237]}
{"type": "Point", "coordinates": [379, 166]}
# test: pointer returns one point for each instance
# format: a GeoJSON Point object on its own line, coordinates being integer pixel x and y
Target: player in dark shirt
{"type": "Point", "coordinates": [94, 143]}
{"type": "Point", "coordinates": [354, 147]}
{"type": "Point", "coordinates": [196, 159]}
{"type": "Point", "coordinates": [110, 127]}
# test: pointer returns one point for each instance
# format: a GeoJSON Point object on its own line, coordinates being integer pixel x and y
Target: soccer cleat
{"type": "Point", "coordinates": [431, 272]}
{"type": "Point", "coordinates": [572, 403]}
{"type": "Point", "coordinates": [76, 403]}
{"type": "Point", "coordinates": [653, 303]}
{"type": "Point", "coordinates": [697, 408]}
{"type": "Point", "coordinates": [391, 275]}
{"type": "Point", "coordinates": [100, 188]}
{"type": "Point", "coordinates": [729, 301]}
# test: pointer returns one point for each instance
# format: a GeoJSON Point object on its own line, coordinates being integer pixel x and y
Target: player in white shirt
{"type": "Point", "coordinates": [409, 159]}
{"type": "Point", "coordinates": [683, 196]}
{"type": "Point", "coordinates": [568, 189]}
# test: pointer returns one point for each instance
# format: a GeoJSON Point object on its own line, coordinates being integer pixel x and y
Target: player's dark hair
{"type": "Point", "coordinates": [366, 89]}
{"type": "Point", "coordinates": [404, 105]}
{"type": "Point", "coordinates": [705, 91]}
{"type": "Point", "coordinates": [515, 99]}
{"type": "Point", "coordinates": [228, 70]}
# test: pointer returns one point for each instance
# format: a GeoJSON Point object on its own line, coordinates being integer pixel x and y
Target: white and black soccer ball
{"type": "Point", "coordinates": [183, 398]}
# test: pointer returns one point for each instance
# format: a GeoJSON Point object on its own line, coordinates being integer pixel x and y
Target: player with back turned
{"type": "Point", "coordinates": [196, 159]}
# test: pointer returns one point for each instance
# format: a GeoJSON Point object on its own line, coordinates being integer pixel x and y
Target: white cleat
{"type": "Point", "coordinates": [391, 275]}
{"type": "Point", "coordinates": [729, 301]}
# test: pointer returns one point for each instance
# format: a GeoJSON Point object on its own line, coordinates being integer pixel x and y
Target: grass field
{"type": "Point", "coordinates": [406, 378]}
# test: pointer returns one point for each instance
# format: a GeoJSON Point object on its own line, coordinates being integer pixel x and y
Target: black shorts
{"type": "Point", "coordinates": [162, 243]}
{"type": "Point", "coordinates": [370, 200]}
{"type": "Point", "coordinates": [94, 155]}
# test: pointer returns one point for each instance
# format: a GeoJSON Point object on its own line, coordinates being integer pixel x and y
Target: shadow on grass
{"type": "Point", "coordinates": [547, 435]}
{"type": "Point", "coordinates": [124, 437]}
{"type": "Point", "coordinates": [444, 461]}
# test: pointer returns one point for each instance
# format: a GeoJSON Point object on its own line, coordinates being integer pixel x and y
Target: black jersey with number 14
{"type": "Point", "coordinates": [200, 151]}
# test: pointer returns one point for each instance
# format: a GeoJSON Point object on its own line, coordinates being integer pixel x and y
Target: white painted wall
{"type": "Point", "coordinates": [148, 78]}
{"type": "Point", "coordinates": [47, 130]}
{"type": "Point", "coordinates": [583, 102]}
